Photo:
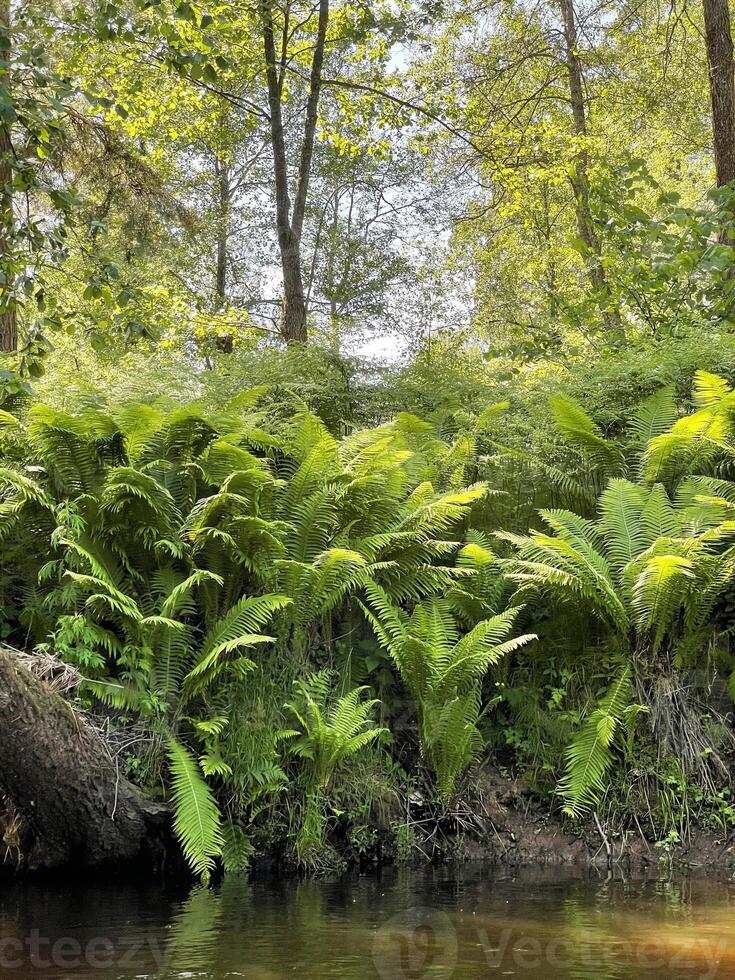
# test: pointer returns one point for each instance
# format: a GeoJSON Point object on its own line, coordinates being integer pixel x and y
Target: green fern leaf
{"type": "Point", "coordinates": [197, 822]}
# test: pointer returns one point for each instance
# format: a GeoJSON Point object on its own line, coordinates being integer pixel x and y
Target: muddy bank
{"type": "Point", "coordinates": [513, 825]}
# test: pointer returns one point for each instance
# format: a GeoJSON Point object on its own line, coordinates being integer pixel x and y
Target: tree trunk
{"type": "Point", "coordinates": [585, 224]}
{"type": "Point", "coordinates": [293, 313]}
{"type": "Point", "coordinates": [222, 173]}
{"type": "Point", "coordinates": [8, 317]}
{"type": "Point", "coordinates": [552, 291]}
{"type": "Point", "coordinates": [722, 86]}
{"type": "Point", "coordinates": [290, 225]}
{"type": "Point", "coordinates": [65, 802]}
{"type": "Point", "coordinates": [224, 342]}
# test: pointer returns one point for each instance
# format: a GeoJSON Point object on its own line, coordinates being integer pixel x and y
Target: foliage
{"type": "Point", "coordinates": [518, 302]}
{"type": "Point", "coordinates": [196, 817]}
{"type": "Point", "coordinates": [160, 544]}
{"type": "Point", "coordinates": [443, 672]}
{"type": "Point", "coordinates": [589, 756]}
{"type": "Point", "coordinates": [651, 570]}
{"type": "Point", "coordinates": [326, 739]}
{"type": "Point", "coordinates": [328, 735]}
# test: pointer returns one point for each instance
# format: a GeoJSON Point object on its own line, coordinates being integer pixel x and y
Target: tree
{"type": "Point", "coordinates": [580, 182]}
{"type": "Point", "coordinates": [545, 95]}
{"type": "Point", "coordinates": [290, 220]}
{"type": "Point", "coordinates": [722, 86]}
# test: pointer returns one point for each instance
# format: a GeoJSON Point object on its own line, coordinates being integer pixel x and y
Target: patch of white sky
{"type": "Point", "coordinates": [426, 242]}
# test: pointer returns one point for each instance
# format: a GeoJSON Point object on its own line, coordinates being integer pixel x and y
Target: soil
{"type": "Point", "coordinates": [520, 829]}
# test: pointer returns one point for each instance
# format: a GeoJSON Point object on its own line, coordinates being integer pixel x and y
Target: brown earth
{"type": "Point", "coordinates": [520, 829]}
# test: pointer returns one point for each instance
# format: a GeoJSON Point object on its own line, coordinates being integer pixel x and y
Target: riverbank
{"type": "Point", "coordinates": [511, 825]}
{"type": "Point", "coordinates": [506, 825]}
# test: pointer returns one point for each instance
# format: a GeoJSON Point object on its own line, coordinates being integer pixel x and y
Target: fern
{"type": "Point", "coordinates": [590, 757]}
{"type": "Point", "coordinates": [653, 416]}
{"type": "Point", "coordinates": [579, 430]}
{"type": "Point", "coordinates": [332, 730]}
{"type": "Point", "coordinates": [197, 822]}
{"type": "Point", "coordinates": [233, 632]}
{"type": "Point", "coordinates": [443, 672]}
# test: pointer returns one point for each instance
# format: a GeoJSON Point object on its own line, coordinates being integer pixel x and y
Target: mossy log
{"type": "Point", "coordinates": [64, 800]}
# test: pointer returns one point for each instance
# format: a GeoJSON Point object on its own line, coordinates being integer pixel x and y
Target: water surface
{"type": "Point", "coordinates": [428, 925]}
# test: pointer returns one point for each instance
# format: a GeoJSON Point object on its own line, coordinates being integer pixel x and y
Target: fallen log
{"type": "Point", "coordinates": [64, 799]}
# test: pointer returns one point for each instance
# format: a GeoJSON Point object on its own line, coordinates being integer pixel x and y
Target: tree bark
{"type": "Point", "coordinates": [580, 183]}
{"type": "Point", "coordinates": [722, 86]}
{"type": "Point", "coordinates": [65, 802]}
{"type": "Point", "coordinates": [8, 316]}
{"type": "Point", "coordinates": [223, 342]}
{"type": "Point", "coordinates": [222, 172]}
{"type": "Point", "coordinates": [290, 225]}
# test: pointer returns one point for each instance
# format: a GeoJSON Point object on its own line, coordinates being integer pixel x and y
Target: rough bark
{"type": "Point", "coordinates": [289, 224]}
{"type": "Point", "coordinates": [224, 201]}
{"type": "Point", "coordinates": [585, 223]}
{"type": "Point", "coordinates": [65, 803]}
{"type": "Point", "coordinates": [223, 227]}
{"type": "Point", "coordinates": [8, 317]}
{"type": "Point", "coordinates": [722, 86]}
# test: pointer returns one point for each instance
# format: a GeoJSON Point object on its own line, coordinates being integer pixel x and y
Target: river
{"type": "Point", "coordinates": [431, 924]}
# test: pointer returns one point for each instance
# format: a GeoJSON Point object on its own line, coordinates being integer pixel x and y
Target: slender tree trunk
{"type": "Point", "coordinates": [289, 224]}
{"type": "Point", "coordinates": [293, 312]}
{"type": "Point", "coordinates": [222, 173]}
{"type": "Point", "coordinates": [722, 86]}
{"type": "Point", "coordinates": [312, 108]}
{"type": "Point", "coordinates": [8, 317]}
{"type": "Point", "coordinates": [63, 799]}
{"type": "Point", "coordinates": [552, 292]}
{"type": "Point", "coordinates": [332, 275]}
{"type": "Point", "coordinates": [223, 342]}
{"type": "Point", "coordinates": [585, 224]}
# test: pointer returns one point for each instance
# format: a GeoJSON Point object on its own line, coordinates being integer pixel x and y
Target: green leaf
{"type": "Point", "coordinates": [197, 822]}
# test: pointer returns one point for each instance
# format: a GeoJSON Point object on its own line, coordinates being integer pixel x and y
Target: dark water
{"type": "Point", "coordinates": [428, 925]}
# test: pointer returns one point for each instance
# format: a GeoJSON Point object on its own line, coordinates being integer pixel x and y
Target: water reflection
{"type": "Point", "coordinates": [433, 924]}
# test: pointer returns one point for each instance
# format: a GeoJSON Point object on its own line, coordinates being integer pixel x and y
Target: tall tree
{"type": "Point", "coordinates": [722, 86]}
{"type": "Point", "coordinates": [580, 181]}
{"type": "Point", "coordinates": [224, 193]}
{"type": "Point", "coordinates": [8, 317]}
{"type": "Point", "coordinates": [290, 220]}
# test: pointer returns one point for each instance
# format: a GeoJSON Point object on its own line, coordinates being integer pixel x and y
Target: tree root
{"type": "Point", "coordinates": [684, 726]}
{"type": "Point", "coordinates": [65, 800]}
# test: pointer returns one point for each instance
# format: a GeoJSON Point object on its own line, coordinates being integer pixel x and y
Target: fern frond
{"type": "Point", "coordinates": [653, 416]}
{"type": "Point", "coordinates": [197, 821]}
{"type": "Point", "coordinates": [589, 757]}
{"type": "Point", "coordinates": [579, 430]}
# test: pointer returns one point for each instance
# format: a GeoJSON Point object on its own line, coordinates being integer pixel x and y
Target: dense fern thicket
{"type": "Point", "coordinates": [297, 636]}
